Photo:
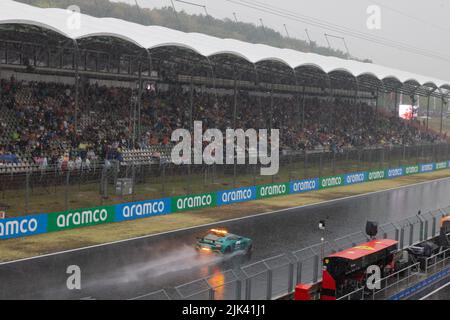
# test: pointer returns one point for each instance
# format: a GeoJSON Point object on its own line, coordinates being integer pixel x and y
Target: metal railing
{"type": "Point", "coordinates": [437, 262]}
{"type": "Point", "coordinates": [22, 192]}
{"type": "Point", "coordinates": [387, 285]}
{"type": "Point", "coordinates": [276, 277]}
{"type": "Point", "coordinates": [402, 279]}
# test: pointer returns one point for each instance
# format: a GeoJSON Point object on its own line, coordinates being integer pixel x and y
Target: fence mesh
{"type": "Point", "coordinates": [276, 277]}
{"type": "Point", "coordinates": [26, 189]}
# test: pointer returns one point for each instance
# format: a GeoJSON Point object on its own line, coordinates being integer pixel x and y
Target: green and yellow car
{"type": "Point", "coordinates": [222, 242]}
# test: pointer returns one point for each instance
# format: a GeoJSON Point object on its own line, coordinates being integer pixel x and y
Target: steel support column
{"type": "Point", "coordinates": [139, 104]}
{"type": "Point", "coordinates": [428, 109]}
{"type": "Point", "coordinates": [77, 84]}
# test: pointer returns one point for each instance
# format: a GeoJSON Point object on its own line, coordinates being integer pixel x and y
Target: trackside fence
{"type": "Point", "coordinates": [128, 204]}
{"type": "Point", "coordinates": [23, 186]}
{"type": "Point", "coordinates": [276, 277]}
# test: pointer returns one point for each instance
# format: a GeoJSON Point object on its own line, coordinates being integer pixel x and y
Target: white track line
{"type": "Point", "coordinates": [437, 290]}
{"type": "Point", "coordinates": [226, 221]}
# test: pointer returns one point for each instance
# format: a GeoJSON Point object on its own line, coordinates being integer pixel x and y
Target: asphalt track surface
{"type": "Point", "coordinates": [132, 268]}
{"type": "Point", "coordinates": [442, 293]}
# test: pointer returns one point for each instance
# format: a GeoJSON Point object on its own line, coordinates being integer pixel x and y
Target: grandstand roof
{"type": "Point", "coordinates": [150, 37]}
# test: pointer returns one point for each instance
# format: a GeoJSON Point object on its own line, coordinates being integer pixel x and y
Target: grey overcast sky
{"type": "Point", "coordinates": [421, 24]}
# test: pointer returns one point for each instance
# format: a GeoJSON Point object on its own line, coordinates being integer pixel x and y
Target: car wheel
{"type": "Point", "coordinates": [227, 250]}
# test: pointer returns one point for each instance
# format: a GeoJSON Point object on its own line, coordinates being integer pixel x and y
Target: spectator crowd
{"type": "Point", "coordinates": [42, 122]}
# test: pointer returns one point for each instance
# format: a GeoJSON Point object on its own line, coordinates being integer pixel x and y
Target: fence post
{"type": "Point", "coordinates": [334, 162]}
{"type": "Point", "coordinates": [433, 231]}
{"type": "Point", "coordinates": [305, 164]}
{"type": "Point", "coordinates": [291, 278]}
{"type": "Point", "coordinates": [396, 234]}
{"type": "Point", "coordinates": [104, 183]}
{"type": "Point", "coordinates": [248, 289]}
{"type": "Point", "coordinates": [133, 181]}
{"type": "Point", "coordinates": [211, 294]}
{"type": "Point", "coordinates": [163, 178]}
{"type": "Point", "coordinates": [269, 284]}
{"type": "Point", "coordinates": [320, 164]}
{"type": "Point", "coordinates": [316, 267]}
{"type": "Point", "coordinates": [421, 231]}
{"type": "Point", "coordinates": [116, 171]}
{"type": "Point", "coordinates": [299, 272]}
{"type": "Point", "coordinates": [411, 234]}
{"type": "Point", "coordinates": [425, 233]}
{"type": "Point", "coordinates": [402, 237]}
{"type": "Point", "coordinates": [27, 192]}
{"type": "Point", "coordinates": [238, 289]}
{"type": "Point", "coordinates": [66, 194]}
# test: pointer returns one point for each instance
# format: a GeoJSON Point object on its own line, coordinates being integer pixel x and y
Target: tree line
{"type": "Point", "coordinates": [180, 20]}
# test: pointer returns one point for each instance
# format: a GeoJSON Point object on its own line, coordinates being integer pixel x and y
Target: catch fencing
{"type": "Point", "coordinates": [25, 189]}
{"type": "Point", "coordinates": [137, 205]}
{"type": "Point", "coordinates": [276, 277]}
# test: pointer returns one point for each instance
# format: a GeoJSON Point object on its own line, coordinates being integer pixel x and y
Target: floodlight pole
{"type": "Point", "coordinates": [326, 37]}
{"type": "Point", "coordinates": [235, 18]}
{"type": "Point", "coordinates": [264, 28]}
{"type": "Point", "coordinates": [287, 32]}
{"type": "Point", "coordinates": [309, 38]}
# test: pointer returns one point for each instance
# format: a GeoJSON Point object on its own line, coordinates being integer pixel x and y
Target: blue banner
{"type": "Point", "coordinates": [306, 185]}
{"type": "Point", "coordinates": [236, 195]}
{"type": "Point", "coordinates": [24, 226]}
{"type": "Point", "coordinates": [426, 167]}
{"type": "Point", "coordinates": [143, 209]}
{"type": "Point", "coordinates": [395, 172]}
{"type": "Point", "coordinates": [354, 178]}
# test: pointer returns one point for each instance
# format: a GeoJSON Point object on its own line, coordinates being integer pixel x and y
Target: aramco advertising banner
{"type": "Point", "coordinates": [23, 226]}
{"type": "Point", "coordinates": [80, 218]}
{"type": "Point", "coordinates": [142, 209]}
{"type": "Point", "coordinates": [192, 202]}
{"type": "Point", "coordinates": [77, 218]}
{"type": "Point", "coordinates": [329, 182]}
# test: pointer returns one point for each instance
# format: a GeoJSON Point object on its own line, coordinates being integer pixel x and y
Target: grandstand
{"type": "Point", "coordinates": [113, 91]}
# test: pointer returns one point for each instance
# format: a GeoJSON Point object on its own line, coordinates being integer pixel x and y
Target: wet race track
{"type": "Point", "coordinates": [442, 294]}
{"type": "Point", "coordinates": [133, 268]}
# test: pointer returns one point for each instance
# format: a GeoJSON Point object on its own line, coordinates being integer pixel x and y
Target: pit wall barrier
{"type": "Point", "coordinates": [57, 221]}
{"type": "Point", "coordinates": [421, 285]}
